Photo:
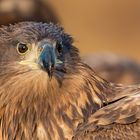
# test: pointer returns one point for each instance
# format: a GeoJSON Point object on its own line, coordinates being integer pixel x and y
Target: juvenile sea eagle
{"type": "Point", "coordinates": [48, 93]}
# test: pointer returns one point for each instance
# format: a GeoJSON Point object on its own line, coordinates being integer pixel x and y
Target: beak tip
{"type": "Point", "coordinates": [50, 75]}
{"type": "Point", "coordinates": [50, 71]}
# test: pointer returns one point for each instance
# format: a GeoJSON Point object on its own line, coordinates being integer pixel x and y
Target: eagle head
{"type": "Point", "coordinates": [37, 49]}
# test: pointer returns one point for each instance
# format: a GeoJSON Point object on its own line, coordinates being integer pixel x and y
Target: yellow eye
{"type": "Point", "coordinates": [22, 48]}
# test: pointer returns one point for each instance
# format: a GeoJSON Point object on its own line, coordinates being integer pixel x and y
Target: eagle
{"type": "Point", "coordinates": [48, 93]}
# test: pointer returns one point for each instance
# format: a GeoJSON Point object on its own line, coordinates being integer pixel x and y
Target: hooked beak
{"type": "Point", "coordinates": [47, 58]}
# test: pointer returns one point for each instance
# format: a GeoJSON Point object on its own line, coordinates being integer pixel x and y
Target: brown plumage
{"type": "Point", "coordinates": [48, 93]}
{"type": "Point", "coordinates": [115, 68]}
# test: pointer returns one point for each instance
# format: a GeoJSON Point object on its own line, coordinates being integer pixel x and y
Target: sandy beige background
{"type": "Point", "coordinates": [105, 25]}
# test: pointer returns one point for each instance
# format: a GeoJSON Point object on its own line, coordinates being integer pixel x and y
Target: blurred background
{"type": "Point", "coordinates": [112, 26]}
{"type": "Point", "coordinates": [98, 27]}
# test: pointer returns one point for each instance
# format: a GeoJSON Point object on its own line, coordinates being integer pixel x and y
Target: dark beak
{"type": "Point", "coordinates": [47, 59]}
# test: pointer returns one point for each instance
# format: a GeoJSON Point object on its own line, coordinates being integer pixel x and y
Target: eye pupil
{"type": "Point", "coordinates": [59, 47]}
{"type": "Point", "coordinates": [22, 48]}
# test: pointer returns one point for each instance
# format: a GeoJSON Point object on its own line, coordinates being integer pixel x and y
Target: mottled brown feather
{"type": "Point", "coordinates": [117, 120]}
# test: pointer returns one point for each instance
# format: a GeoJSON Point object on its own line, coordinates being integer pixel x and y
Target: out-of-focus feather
{"type": "Point", "coordinates": [114, 68]}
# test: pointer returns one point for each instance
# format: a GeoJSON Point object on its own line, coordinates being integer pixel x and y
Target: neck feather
{"type": "Point", "coordinates": [32, 106]}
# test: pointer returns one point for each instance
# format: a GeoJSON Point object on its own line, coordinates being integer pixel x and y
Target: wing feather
{"type": "Point", "coordinates": [124, 111]}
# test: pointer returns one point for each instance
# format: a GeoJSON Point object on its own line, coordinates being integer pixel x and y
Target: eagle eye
{"type": "Point", "coordinates": [59, 47]}
{"type": "Point", "coordinates": [22, 48]}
